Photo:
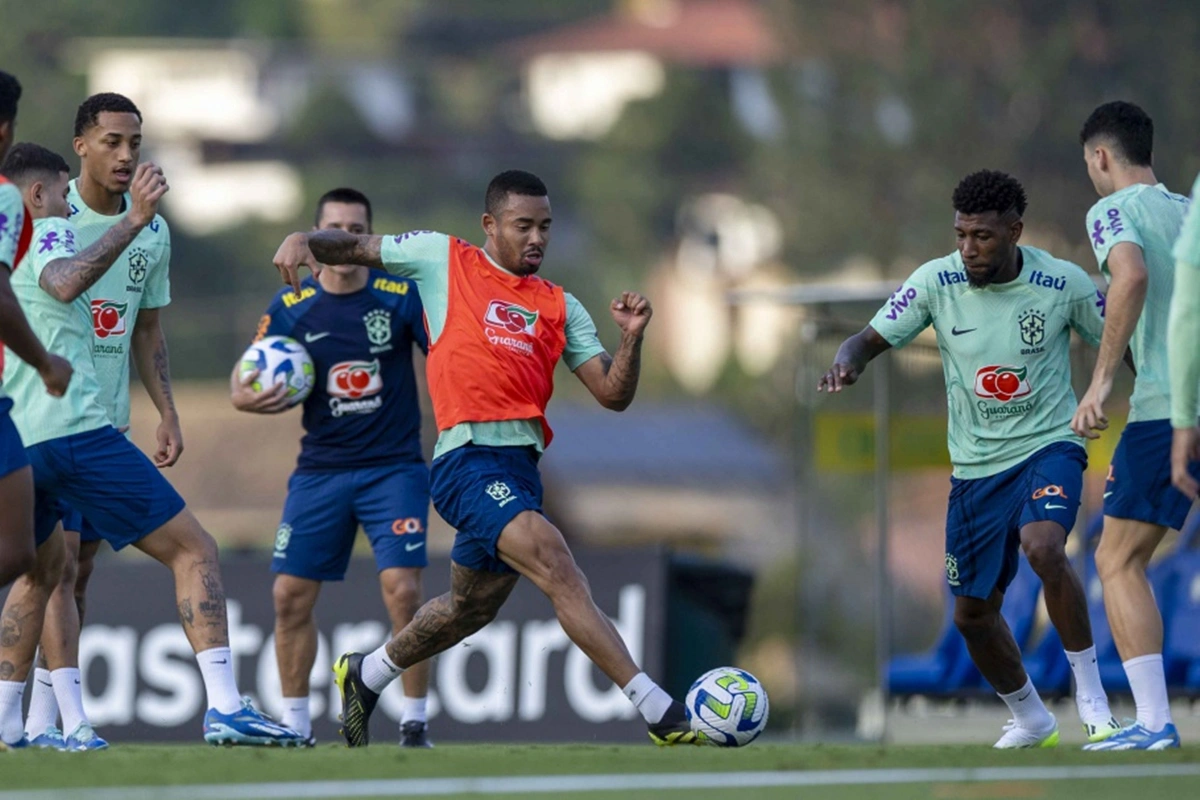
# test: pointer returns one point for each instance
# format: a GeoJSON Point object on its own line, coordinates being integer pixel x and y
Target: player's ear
{"type": "Point", "coordinates": [1015, 230]}
{"type": "Point", "coordinates": [80, 146]}
{"type": "Point", "coordinates": [489, 224]}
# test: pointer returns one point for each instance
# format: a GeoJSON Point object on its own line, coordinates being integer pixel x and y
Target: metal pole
{"type": "Point", "coordinates": [883, 592]}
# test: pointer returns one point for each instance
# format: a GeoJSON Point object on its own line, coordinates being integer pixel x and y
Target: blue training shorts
{"type": "Point", "coordinates": [103, 476]}
{"type": "Point", "coordinates": [479, 490]}
{"type": "Point", "coordinates": [985, 516]}
{"type": "Point", "coordinates": [12, 451]}
{"type": "Point", "coordinates": [1139, 478]}
{"type": "Point", "coordinates": [72, 520]}
{"type": "Point", "coordinates": [324, 509]}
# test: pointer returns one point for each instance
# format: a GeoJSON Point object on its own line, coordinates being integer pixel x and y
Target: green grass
{"type": "Point", "coordinates": [126, 765]}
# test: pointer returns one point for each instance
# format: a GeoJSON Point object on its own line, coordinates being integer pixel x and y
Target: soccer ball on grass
{"type": "Point", "coordinates": [727, 707]}
{"type": "Point", "coordinates": [280, 359]}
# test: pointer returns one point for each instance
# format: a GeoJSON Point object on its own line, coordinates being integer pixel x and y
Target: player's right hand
{"type": "Point", "coordinates": [56, 374]}
{"type": "Point", "coordinates": [836, 377]}
{"type": "Point", "coordinates": [269, 401]}
{"type": "Point", "coordinates": [293, 254]}
{"type": "Point", "coordinates": [1185, 448]}
{"type": "Point", "coordinates": [147, 188]}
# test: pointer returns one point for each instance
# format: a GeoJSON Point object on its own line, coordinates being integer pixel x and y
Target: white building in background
{"type": "Point", "coordinates": [191, 92]}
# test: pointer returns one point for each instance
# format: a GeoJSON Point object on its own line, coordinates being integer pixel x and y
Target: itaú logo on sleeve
{"type": "Point", "coordinates": [108, 318]}
{"type": "Point", "coordinates": [350, 382]}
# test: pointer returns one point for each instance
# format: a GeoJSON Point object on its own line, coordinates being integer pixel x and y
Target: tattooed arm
{"type": "Point", "coordinates": [149, 346]}
{"type": "Point", "coordinates": [331, 246]}
{"type": "Point", "coordinates": [65, 279]}
{"type": "Point", "coordinates": [613, 380]}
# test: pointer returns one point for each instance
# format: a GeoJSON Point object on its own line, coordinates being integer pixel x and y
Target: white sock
{"type": "Point", "coordinates": [647, 697]}
{"type": "Point", "coordinates": [1087, 679]}
{"type": "Point", "coordinates": [1149, 687]}
{"type": "Point", "coordinates": [216, 667]}
{"type": "Point", "coordinates": [378, 670]}
{"type": "Point", "coordinates": [414, 710]}
{"type": "Point", "coordinates": [1028, 710]}
{"type": "Point", "coordinates": [69, 692]}
{"type": "Point", "coordinates": [43, 708]}
{"type": "Point", "coordinates": [11, 693]}
{"type": "Point", "coordinates": [296, 715]}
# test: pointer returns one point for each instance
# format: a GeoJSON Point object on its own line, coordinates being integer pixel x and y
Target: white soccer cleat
{"type": "Point", "coordinates": [1017, 738]}
{"type": "Point", "coordinates": [1098, 720]}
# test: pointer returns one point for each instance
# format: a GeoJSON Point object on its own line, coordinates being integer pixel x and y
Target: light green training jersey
{"type": "Point", "coordinates": [424, 257]}
{"type": "Point", "coordinates": [66, 330]}
{"type": "Point", "coordinates": [1005, 353]}
{"type": "Point", "coordinates": [138, 279]}
{"type": "Point", "coordinates": [12, 219]}
{"type": "Point", "coordinates": [1183, 335]}
{"type": "Point", "coordinates": [1149, 217]}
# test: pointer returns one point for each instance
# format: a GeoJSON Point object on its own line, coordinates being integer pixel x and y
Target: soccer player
{"type": "Point", "coordinates": [16, 481]}
{"type": "Point", "coordinates": [1003, 313]}
{"type": "Point", "coordinates": [1132, 229]}
{"type": "Point", "coordinates": [360, 459]}
{"type": "Point", "coordinates": [80, 459]}
{"type": "Point", "coordinates": [496, 331]}
{"type": "Point", "coordinates": [125, 305]}
{"type": "Point", "coordinates": [1183, 332]}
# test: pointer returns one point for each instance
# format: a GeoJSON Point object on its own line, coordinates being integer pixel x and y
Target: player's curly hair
{"type": "Point", "coordinates": [10, 93]}
{"type": "Point", "coordinates": [1126, 126]}
{"type": "Point", "coordinates": [989, 190]}
{"type": "Point", "coordinates": [513, 181]}
{"type": "Point", "coordinates": [88, 115]}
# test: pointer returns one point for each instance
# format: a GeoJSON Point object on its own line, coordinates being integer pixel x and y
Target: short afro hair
{"type": "Point", "coordinates": [989, 190]}
{"type": "Point", "coordinates": [343, 194]}
{"type": "Point", "coordinates": [514, 181]}
{"type": "Point", "coordinates": [1126, 126]}
{"type": "Point", "coordinates": [88, 115]}
{"type": "Point", "coordinates": [10, 93]}
{"type": "Point", "coordinates": [27, 161]}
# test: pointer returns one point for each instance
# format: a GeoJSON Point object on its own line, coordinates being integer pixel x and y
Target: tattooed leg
{"type": "Point", "coordinates": [191, 554]}
{"type": "Point", "coordinates": [472, 602]}
{"type": "Point", "coordinates": [25, 610]}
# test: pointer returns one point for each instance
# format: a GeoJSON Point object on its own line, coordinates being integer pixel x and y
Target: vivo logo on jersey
{"type": "Point", "coordinates": [946, 277]}
{"type": "Point", "coordinates": [108, 318]}
{"type": "Point", "coordinates": [1115, 225]}
{"type": "Point", "coordinates": [900, 301]}
{"type": "Point", "coordinates": [350, 382]}
{"type": "Point", "coordinates": [1039, 278]}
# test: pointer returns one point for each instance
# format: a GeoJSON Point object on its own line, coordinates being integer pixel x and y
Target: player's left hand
{"type": "Point", "coordinates": [1185, 448]}
{"type": "Point", "coordinates": [1089, 417]}
{"type": "Point", "coordinates": [631, 311]}
{"type": "Point", "coordinates": [293, 254]}
{"type": "Point", "coordinates": [170, 442]}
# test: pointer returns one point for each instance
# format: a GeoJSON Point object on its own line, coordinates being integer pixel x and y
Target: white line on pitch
{"type": "Point", "coordinates": [557, 784]}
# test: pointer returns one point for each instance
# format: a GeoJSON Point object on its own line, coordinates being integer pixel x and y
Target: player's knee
{"type": "Point", "coordinates": [560, 573]}
{"type": "Point", "coordinates": [70, 575]}
{"type": "Point", "coordinates": [404, 595]}
{"type": "Point", "coordinates": [1045, 555]}
{"type": "Point", "coordinates": [293, 607]}
{"type": "Point", "coordinates": [973, 617]}
{"type": "Point", "coordinates": [15, 561]}
{"type": "Point", "coordinates": [472, 617]}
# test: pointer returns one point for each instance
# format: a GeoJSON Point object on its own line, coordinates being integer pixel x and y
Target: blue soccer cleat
{"type": "Point", "coordinates": [49, 739]}
{"type": "Point", "coordinates": [20, 744]}
{"type": "Point", "coordinates": [248, 726]}
{"type": "Point", "coordinates": [84, 738]}
{"type": "Point", "coordinates": [1137, 736]}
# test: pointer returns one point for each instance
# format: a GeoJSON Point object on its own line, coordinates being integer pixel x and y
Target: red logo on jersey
{"type": "Point", "coordinates": [1001, 383]}
{"type": "Point", "coordinates": [351, 380]}
{"type": "Point", "coordinates": [512, 317]}
{"type": "Point", "coordinates": [108, 318]}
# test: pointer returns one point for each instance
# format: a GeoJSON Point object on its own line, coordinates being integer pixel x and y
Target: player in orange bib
{"type": "Point", "coordinates": [496, 332]}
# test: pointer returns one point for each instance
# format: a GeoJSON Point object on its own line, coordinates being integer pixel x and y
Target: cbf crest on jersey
{"type": "Point", "coordinates": [139, 262]}
{"type": "Point", "coordinates": [1032, 325]}
{"type": "Point", "coordinates": [379, 329]}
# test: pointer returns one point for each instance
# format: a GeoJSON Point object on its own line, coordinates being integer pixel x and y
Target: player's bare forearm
{"type": "Point", "coordinates": [14, 328]}
{"type": "Point", "coordinates": [621, 373]}
{"type": "Point", "coordinates": [65, 279]}
{"type": "Point", "coordinates": [333, 246]}
{"type": "Point", "coordinates": [149, 345]}
{"type": "Point", "coordinates": [852, 358]}
{"type": "Point", "coordinates": [1123, 309]}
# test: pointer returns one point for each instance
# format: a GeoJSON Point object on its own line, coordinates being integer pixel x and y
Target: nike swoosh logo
{"type": "Point", "coordinates": [1019, 699]}
{"type": "Point", "coordinates": [1106, 494]}
{"type": "Point", "coordinates": [44, 683]}
{"type": "Point", "coordinates": [957, 332]}
{"type": "Point", "coordinates": [1048, 507]}
{"type": "Point", "coordinates": [312, 337]}
{"type": "Point", "coordinates": [413, 546]}
{"type": "Point", "coordinates": [222, 661]}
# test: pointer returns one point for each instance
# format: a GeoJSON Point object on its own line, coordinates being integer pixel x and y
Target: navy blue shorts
{"type": "Point", "coordinates": [72, 520]}
{"type": "Point", "coordinates": [324, 509]}
{"type": "Point", "coordinates": [1139, 478]}
{"type": "Point", "coordinates": [12, 451]}
{"type": "Point", "coordinates": [985, 516]}
{"type": "Point", "coordinates": [479, 490]}
{"type": "Point", "coordinates": [107, 479]}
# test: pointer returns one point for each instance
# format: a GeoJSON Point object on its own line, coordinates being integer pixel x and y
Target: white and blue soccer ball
{"type": "Point", "coordinates": [280, 359]}
{"type": "Point", "coordinates": [727, 707]}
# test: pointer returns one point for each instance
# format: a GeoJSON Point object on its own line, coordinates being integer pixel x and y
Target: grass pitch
{"type": "Point", "coordinates": [763, 771]}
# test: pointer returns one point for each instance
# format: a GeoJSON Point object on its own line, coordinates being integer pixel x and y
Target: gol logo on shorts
{"type": "Point", "coordinates": [1050, 491]}
{"type": "Point", "coordinates": [407, 525]}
